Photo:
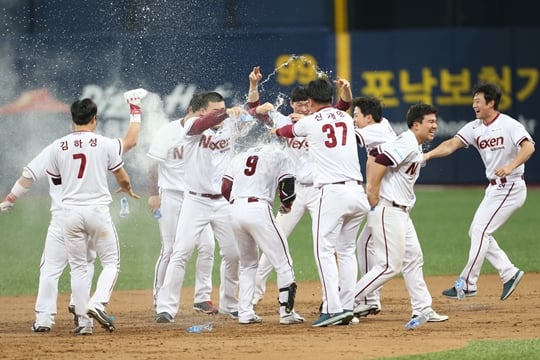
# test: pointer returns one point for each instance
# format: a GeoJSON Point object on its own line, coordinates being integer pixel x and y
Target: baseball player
{"type": "Point", "coordinates": [372, 130]}
{"type": "Point", "coordinates": [250, 185]}
{"type": "Point", "coordinates": [208, 150]}
{"type": "Point", "coordinates": [342, 201]}
{"type": "Point", "coordinates": [307, 195]}
{"type": "Point", "coordinates": [504, 146]}
{"type": "Point", "coordinates": [80, 162]}
{"type": "Point", "coordinates": [167, 195]}
{"type": "Point", "coordinates": [54, 258]}
{"type": "Point", "coordinates": [390, 182]}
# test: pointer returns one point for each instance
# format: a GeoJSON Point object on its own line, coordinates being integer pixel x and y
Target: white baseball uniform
{"type": "Point", "coordinates": [342, 203]}
{"type": "Point", "coordinates": [370, 137]}
{"type": "Point", "coordinates": [389, 221]}
{"type": "Point", "coordinates": [256, 174]}
{"type": "Point", "coordinates": [498, 144]}
{"type": "Point", "coordinates": [54, 258]}
{"type": "Point", "coordinates": [307, 198]}
{"type": "Point", "coordinates": [81, 160]}
{"type": "Point", "coordinates": [167, 148]}
{"type": "Point", "coordinates": [206, 157]}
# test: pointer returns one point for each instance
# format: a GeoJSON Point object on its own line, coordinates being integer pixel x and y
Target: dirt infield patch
{"type": "Point", "coordinates": [383, 335]}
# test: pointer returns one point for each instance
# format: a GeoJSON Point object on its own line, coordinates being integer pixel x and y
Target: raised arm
{"type": "Point", "coordinates": [346, 96]}
{"type": "Point", "coordinates": [133, 98]}
{"type": "Point", "coordinates": [254, 77]}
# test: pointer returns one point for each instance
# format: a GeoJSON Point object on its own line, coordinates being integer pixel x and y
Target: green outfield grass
{"type": "Point", "coordinates": [442, 217]}
{"type": "Point", "coordinates": [485, 350]}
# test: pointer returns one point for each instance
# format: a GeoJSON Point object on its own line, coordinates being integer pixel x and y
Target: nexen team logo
{"type": "Point", "coordinates": [491, 143]}
{"type": "Point", "coordinates": [220, 145]}
{"type": "Point", "coordinates": [294, 143]}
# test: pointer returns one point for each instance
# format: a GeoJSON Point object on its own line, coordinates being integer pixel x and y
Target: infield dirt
{"type": "Point", "coordinates": [138, 336]}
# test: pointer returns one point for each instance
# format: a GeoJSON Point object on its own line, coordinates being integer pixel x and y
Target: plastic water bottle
{"type": "Point", "coordinates": [124, 207]}
{"type": "Point", "coordinates": [460, 288]}
{"type": "Point", "coordinates": [157, 214]}
{"type": "Point", "coordinates": [197, 329]}
{"type": "Point", "coordinates": [418, 320]}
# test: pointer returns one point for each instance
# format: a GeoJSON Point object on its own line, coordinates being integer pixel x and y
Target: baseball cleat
{"type": "Point", "coordinates": [510, 285]}
{"type": "Point", "coordinates": [205, 307]}
{"type": "Point", "coordinates": [40, 328]}
{"type": "Point", "coordinates": [255, 319]}
{"type": "Point", "coordinates": [163, 318]}
{"type": "Point", "coordinates": [452, 293]}
{"type": "Point", "coordinates": [101, 317]}
{"type": "Point", "coordinates": [333, 319]}
{"type": "Point", "coordinates": [291, 318]}
{"type": "Point", "coordinates": [232, 314]}
{"type": "Point", "coordinates": [434, 317]}
{"type": "Point", "coordinates": [83, 330]}
{"type": "Point", "coordinates": [363, 310]}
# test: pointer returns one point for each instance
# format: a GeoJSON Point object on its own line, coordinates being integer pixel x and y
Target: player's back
{"type": "Point", "coordinates": [81, 160]}
{"type": "Point", "coordinates": [257, 171]}
{"type": "Point", "coordinates": [332, 142]}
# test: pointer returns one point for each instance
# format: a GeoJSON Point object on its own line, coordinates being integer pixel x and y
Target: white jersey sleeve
{"type": "Point", "coordinates": [497, 143]}
{"type": "Point", "coordinates": [82, 160]}
{"type": "Point", "coordinates": [37, 168]}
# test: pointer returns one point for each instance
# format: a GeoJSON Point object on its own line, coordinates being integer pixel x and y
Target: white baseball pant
{"type": "Point", "coordinates": [88, 230]}
{"type": "Point", "coordinates": [255, 227]}
{"type": "Point", "coordinates": [171, 204]}
{"type": "Point", "coordinates": [197, 212]}
{"type": "Point", "coordinates": [307, 198]}
{"type": "Point", "coordinates": [341, 210]}
{"type": "Point", "coordinates": [499, 203]}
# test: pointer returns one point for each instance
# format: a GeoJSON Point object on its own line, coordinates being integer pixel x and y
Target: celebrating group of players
{"type": "Point", "coordinates": [211, 180]}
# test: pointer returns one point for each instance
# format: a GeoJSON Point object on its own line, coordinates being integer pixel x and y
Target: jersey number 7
{"type": "Point", "coordinates": [82, 166]}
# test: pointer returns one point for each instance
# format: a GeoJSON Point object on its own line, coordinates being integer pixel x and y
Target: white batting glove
{"type": "Point", "coordinates": [7, 204]}
{"type": "Point", "coordinates": [134, 97]}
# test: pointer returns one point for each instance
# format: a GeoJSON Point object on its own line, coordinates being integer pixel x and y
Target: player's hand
{"type": "Point", "coordinates": [7, 204]}
{"type": "Point", "coordinates": [296, 116]}
{"type": "Point", "coordinates": [342, 83]}
{"type": "Point", "coordinates": [129, 192]}
{"type": "Point", "coordinates": [236, 112]}
{"type": "Point", "coordinates": [154, 203]}
{"type": "Point", "coordinates": [133, 98]}
{"type": "Point", "coordinates": [285, 208]}
{"type": "Point", "coordinates": [255, 75]}
{"type": "Point", "coordinates": [503, 171]}
{"type": "Point", "coordinates": [265, 108]}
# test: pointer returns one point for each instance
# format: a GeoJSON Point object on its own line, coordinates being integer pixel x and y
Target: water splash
{"type": "Point", "coordinates": [293, 61]}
